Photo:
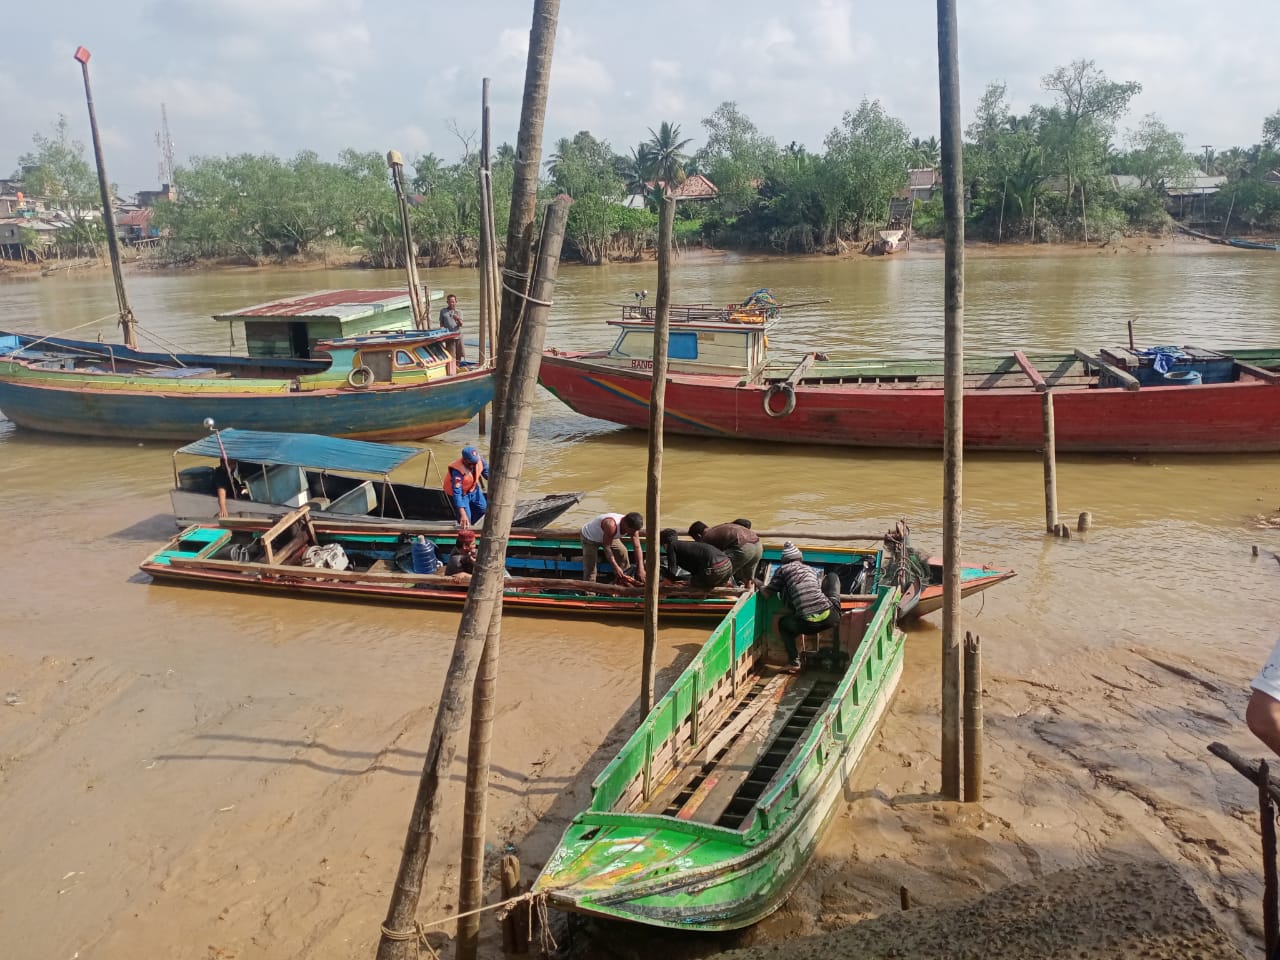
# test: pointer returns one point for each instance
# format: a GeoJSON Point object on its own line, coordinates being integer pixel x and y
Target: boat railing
{"type": "Point", "coordinates": [697, 313]}
{"type": "Point", "coordinates": [831, 725]}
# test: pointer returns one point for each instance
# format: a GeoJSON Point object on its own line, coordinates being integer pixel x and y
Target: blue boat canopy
{"type": "Point", "coordinates": [307, 450]}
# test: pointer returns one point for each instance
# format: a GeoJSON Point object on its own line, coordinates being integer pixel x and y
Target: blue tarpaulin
{"type": "Point", "coordinates": [1162, 358]}
{"type": "Point", "coordinates": [303, 450]}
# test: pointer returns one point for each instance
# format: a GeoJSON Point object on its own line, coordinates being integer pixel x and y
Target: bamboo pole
{"type": "Point", "coordinates": [396, 164]}
{"type": "Point", "coordinates": [399, 935]}
{"type": "Point", "coordinates": [1050, 463]}
{"type": "Point", "coordinates": [126, 321]}
{"type": "Point", "coordinates": [953, 387]}
{"type": "Point", "coordinates": [972, 718]}
{"type": "Point", "coordinates": [653, 490]}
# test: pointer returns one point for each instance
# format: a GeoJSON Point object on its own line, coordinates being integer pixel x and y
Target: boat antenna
{"type": "Point", "coordinates": [396, 163]}
{"type": "Point", "coordinates": [108, 219]}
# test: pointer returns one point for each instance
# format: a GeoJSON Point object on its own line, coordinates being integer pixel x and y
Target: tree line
{"type": "Point", "coordinates": [1047, 174]}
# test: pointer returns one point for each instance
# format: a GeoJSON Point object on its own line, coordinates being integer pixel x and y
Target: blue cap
{"type": "Point", "coordinates": [470, 455]}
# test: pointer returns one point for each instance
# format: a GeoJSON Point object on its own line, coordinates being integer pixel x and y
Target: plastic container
{"type": "Point", "coordinates": [424, 556]}
{"type": "Point", "coordinates": [1183, 378]}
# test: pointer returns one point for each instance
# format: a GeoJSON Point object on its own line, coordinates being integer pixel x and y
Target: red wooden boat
{"type": "Point", "coordinates": [721, 383]}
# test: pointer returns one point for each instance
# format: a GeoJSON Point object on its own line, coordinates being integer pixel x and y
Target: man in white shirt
{"type": "Point", "coordinates": [1263, 713]}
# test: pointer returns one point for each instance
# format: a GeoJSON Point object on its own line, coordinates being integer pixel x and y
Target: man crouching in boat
{"type": "Point", "coordinates": [607, 530]}
{"type": "Point", "coordinates": [708, 566]}
{"type": "Point", "coordinates": [815, 607]}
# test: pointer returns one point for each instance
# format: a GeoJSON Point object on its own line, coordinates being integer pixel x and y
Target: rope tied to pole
{"type": "Point", "coordinates": [419, 930]}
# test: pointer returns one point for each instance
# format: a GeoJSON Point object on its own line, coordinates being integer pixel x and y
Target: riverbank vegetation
{"type": "Point", "coordinates": [1060, 171]}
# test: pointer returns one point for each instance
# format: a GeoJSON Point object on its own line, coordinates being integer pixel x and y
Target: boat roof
{"type": "Point", "coordinates": [340, 305]}
{"type": "Point", "coordinates": [308, 450]}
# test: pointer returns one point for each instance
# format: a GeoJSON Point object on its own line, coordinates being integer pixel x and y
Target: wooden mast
{"type": "Point", "coordinates": [396, 163]}
{"type": "Point", "coordinates": [108, 218]}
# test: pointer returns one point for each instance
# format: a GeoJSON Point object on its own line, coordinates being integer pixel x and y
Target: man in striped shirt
{"type": "Point", "coordinates": [812, 610]}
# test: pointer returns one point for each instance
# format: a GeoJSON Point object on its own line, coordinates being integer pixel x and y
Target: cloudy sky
{"type": "Point", "coordinates": [281, 76]}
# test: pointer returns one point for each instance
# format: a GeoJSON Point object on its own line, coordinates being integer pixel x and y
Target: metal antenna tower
{"type": "Point", "coordinates": [165, 142]}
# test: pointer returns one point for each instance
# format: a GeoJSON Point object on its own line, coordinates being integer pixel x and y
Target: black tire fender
{"type": "Point", "coordinates": [788, 405]}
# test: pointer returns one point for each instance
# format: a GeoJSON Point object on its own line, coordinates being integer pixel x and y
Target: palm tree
{"type": "Point", "coordinates": [636, 170]}
{"type": "Point", "coordinates": [666, 154]}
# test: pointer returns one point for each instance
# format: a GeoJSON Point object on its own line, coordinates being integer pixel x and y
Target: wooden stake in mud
{"type": "Point", "coordinates": [518, 378]}
{"type": "Point", "coordinates": [653, 487]}
{"type": "Point", "coordinates": [953, 390]}
{"type": "Point", "coordinates": [127, 322]}
{"type": "Point", "coordinates": [396, 164]}
{"type": "Point", "coordinates": [485, 262]}
{"type": "Point", "coordinates": [972, 718]}
{"type": "Point", "coordinates": [1050, 463]}
{"type": "Point", "coordinates": [1267, 813]}
{"type": "Point", "coordinates": [515, 926]}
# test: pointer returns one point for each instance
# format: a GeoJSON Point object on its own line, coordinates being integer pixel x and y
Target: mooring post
{"type": "Point", "coordinates": [972, 718]}
{"type": "Point", "coordinates": [1267, 814]}
{"type": "Point", "coordinates": [515, 925]}
{"type": "Point", "coordinates": [1050, 464]}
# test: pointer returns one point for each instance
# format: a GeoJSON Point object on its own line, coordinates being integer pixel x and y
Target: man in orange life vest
{"type": "Point", "coordinates": [462, 485]}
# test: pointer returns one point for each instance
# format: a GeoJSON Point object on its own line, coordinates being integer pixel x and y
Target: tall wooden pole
{"type": "Point", "coordinates": [484, 263]}
{"type": "Point", "coordinates": [524, 188]}
{"type": "Point", "coordinates": [653, 486]}
{"type": "Point", "coordinates": [518, 380]}
{"type": "Point", "coordinates": [953, 390]}
{"type": "Point", "coordinates": [512, 434]}
{"type": "Point", "coordinates": [972, 718]}
{"type": "Point", "coordinates": [484, 601]}
{"type": "Point", "coordinates": [1267, 814]}
{"type": "Point", "coordinates": [1050, 463]}
{"type": "Point", "coordinates": [127, 321]}
{"type": "Point", "coordinates": [396, 164]}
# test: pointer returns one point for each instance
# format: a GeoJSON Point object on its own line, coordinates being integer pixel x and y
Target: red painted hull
{"type": "Point", "coordinates": [1238, 417]}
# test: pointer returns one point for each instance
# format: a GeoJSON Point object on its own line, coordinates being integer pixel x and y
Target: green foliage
{"type": "Point", "coordinates": [58, 171]}
{"type": "Point", "coordinates": [735, 157]}
{"type": "Point", "coordinates": [866, 164]}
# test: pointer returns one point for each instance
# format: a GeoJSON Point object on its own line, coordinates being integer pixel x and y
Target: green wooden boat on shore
{"type": "Point", "coordinates": [708, 815]}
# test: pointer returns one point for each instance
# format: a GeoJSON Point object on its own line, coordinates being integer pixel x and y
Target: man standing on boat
{"type": "Point", "coordinates": [815, 607]}
{"type": "Point", "coordinates": [738, 542]}
{"type": "Point", "coordinates": [607, 531]}
{"type": "Point", "coordinates": [451, 320]}
{"type": "Point", "coordinates": [463, 484]}
{"type": "Point", "coordinates": [708, 566]}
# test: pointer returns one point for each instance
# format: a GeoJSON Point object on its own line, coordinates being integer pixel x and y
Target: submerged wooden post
{"type": "Point", "coordinates": [653, 491]}
{"type": "Point", "coordinates": [972, 718]}
{"type": "Point", "coordinates": [1050, 464]}
{"type": "Point", "coordinates": [953, 389]}
{"type": "Point", "coordinates": [1084, 522]}
{"type": "Point", "coordinates": [1267, 814]}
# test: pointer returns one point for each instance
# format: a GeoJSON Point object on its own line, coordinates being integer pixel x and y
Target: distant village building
{"type": "Point", "coordinates": [149, 198]}
{"type": "Point", "coordinates": [694, 187]}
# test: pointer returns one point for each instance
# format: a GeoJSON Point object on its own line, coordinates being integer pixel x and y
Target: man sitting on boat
{"type": "Point", "coordinates": [227, 483]}
{"type": "Point", "coordinates": [738, 542]}
{"type": "Point", "coordinates": [708, 566]}
{"type": "Point", "coordinates": [462, 560]}
{"type": "Point", "coordinates": [607, 531]}
{"type": "Point", "coordinates": [815, 607]}
{"type": "Point", "coordinates": [463, 484]}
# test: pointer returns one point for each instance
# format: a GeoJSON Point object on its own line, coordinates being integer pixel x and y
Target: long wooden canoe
{"type": "Point", "coordinates": [545, 570]}
{"type": "Point", "coordinates": [707, 816]}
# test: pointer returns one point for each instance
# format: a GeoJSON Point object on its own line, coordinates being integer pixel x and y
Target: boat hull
{"type": "Point", "coordinates": [675, 872]}
{"type": "Point", "coordinates": [1236, 417]}
{"type": "Point", "coordinates": [393, 412]}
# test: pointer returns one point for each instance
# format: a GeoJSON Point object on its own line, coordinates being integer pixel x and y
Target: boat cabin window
{"type": "Point", "coordinates": [424, 353]}
{"type": "Point", "coordinates": [682, 345]}
{"type": "Point", "coordinates": [403, 359]}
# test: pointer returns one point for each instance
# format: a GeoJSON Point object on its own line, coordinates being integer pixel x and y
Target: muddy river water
{"type": "Point", "coordinates": [202, 774]}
